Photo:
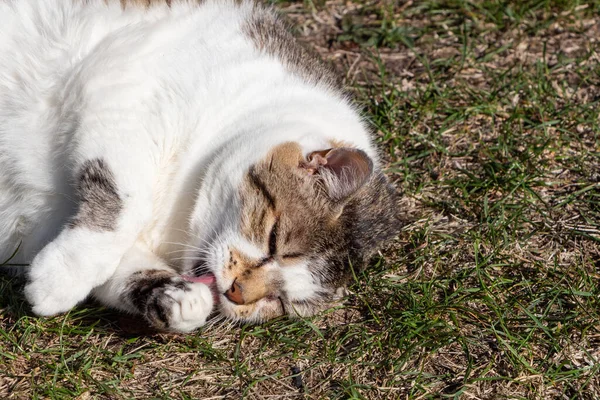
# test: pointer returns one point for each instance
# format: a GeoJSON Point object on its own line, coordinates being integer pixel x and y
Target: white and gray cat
{"type": "Point", "coordinates": [145, 141]}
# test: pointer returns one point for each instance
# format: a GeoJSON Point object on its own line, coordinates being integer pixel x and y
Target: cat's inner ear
{"type": "Point", "coordinates": [343, 171]}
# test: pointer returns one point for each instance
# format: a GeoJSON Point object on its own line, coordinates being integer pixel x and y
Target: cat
{"type": "Point", "coordinates": [148, 145]}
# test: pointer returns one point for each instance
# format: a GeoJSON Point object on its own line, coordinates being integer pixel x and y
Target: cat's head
{"type": "Point", "coordinates": [297, 228]}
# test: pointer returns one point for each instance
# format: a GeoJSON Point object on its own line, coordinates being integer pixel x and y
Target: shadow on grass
{"type": "Point", "coordinates": [12, 298]}
{"type": "Point", "coordinates": [14, 307]}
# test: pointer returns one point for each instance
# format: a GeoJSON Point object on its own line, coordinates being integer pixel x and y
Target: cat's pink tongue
{"type": "Point", "coordinates": [208, 279]}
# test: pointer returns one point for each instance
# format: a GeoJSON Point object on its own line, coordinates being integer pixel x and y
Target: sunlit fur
{"type": "Point", "coordinates": [179, 102]}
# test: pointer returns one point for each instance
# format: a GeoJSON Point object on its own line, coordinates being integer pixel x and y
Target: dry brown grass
{"type": "Point", "coordinates": [487, 113]}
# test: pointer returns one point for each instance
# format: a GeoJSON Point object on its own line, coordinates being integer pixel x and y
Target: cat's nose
{"type": "Point", "coordinates": [234, 294]}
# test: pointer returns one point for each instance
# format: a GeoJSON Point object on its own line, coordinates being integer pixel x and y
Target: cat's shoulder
{"type": "Point", "coordinates": [265, 28]}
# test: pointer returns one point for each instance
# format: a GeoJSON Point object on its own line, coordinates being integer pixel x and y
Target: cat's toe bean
{"type": "Point", "coordinates": [191, 307]}
{"type": "Point", "coordinates": [179, 306]}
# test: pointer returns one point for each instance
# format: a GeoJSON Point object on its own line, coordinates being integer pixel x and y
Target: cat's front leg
{"type": "Point", "coordinates": [144, 285]}
{"type": "Point", "coordinates": [112, 210]}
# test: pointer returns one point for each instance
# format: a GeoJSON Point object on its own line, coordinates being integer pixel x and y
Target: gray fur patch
{"type": "Point", "coordinates": [272, 36]}
{"type": "Point", "coordinates": [99, 200]}
{"type": "Point", "coordinates": [147, 291]}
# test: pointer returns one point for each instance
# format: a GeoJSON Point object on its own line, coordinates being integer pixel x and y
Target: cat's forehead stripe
{"type": "Point", "coordinates": [259, 184]}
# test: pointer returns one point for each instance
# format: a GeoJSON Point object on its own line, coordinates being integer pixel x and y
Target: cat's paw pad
{"type": "Point", "coordinates": [52, 288]}
{"type": "Point", "coordinates": [181, 306]}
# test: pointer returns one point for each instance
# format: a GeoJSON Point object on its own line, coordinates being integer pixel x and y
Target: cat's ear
{"type": "Point", "coordinates": [343, 171]}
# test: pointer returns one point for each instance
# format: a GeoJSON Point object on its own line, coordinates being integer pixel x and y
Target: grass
{"type": "Point", "coordinates": [487, 113]}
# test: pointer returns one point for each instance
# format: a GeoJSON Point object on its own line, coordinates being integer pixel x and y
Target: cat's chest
{"type": "Point", "coordinates": [172, 203]}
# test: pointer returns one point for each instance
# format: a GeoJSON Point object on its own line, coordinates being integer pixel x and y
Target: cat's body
{"type": "Point", "coordinates": [132, 143]}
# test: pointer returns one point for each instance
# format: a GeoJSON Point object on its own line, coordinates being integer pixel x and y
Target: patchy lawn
{"type": "Point", "coordinates": [487, 113]}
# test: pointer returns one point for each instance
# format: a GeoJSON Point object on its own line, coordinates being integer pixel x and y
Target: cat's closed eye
{"type": "Point", "coordinates": [273, 238]}
{"type": "Point", "coordinates": [291, 255]}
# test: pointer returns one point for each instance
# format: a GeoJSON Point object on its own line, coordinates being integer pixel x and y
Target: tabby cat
{"type": "Point", "coordinates": [175, 158]}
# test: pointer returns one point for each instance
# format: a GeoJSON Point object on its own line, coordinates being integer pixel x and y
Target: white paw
{"type": "Point", "coordinates": [53, 288]}
{"type": "Point", "coordinates": [68, 268]}
{"type": "Point", "coordinates": [190, 308]}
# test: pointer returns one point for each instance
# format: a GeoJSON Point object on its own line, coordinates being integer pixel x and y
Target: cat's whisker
{"type": "Point", "coordinates": [176, 252]}
{"type": "Point", "coordinates": [203, 241]}
{"type": "Point", "coordinates": [181, 230]}
{"type": "Point", "coordinates": [182, 244]}
{"type": "Point", "coordinates": [216, 320]}
{"type": "Point", "coordinates": [187, 258]}
{"type": "Point", "coordinates": [188, 247]}
{"type": "Point", "coordinates": [197, 251]}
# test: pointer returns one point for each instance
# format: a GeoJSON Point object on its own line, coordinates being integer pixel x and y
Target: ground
{"type": "Point", "coordinates": [487, 114]}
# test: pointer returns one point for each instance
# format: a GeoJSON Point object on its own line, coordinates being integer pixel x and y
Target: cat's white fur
{"type": "Point", "coordinates": [164, 97]}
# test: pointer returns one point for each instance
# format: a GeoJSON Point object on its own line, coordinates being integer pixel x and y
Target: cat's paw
{"type": "Point", "coordinates": [52, 288]}
{"type": "Point", "coordinates": [181, 306]}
